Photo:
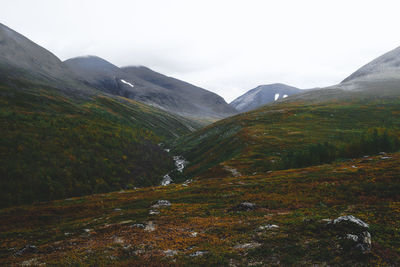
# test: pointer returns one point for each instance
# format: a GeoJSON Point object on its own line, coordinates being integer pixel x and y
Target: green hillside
{"type": "Point", "coordinates": [55, 146]}
{"type": "Point", "coordinates": [294, 134]}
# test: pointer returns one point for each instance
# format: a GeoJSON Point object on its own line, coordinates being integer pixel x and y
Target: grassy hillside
{"type": "Point", "coordinates": [54, 146]}
{"type": "Point", "coordinates": [202, 227]}
{"type": "Point", "coordinates": [296, 134]}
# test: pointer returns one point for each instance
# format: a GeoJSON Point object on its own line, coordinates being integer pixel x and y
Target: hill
{"type": "Point", "coordinates": [54, 147]}
{"type": "Point", "coordinates": [62, 138]}
{"type": "Point", "coordinates": [267, 138]}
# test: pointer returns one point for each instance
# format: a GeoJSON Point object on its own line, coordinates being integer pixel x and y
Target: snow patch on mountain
{"type": "Point", "coordinates": [262, 95]}
{"type": "Point", "coordinates": [128, 83]}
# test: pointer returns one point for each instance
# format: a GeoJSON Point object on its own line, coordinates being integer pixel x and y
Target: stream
{"type": "Point", "coordinates": [180, 164]}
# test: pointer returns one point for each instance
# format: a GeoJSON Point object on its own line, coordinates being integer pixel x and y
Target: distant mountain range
{"type": "Point", "coordinates": [21, 57]}
{"type": "Point", "coordinates": [379, 77]}
{"type": "Point", "coordinates": [257, 141]}
{"type": "Point", "coordinates": [262, 95]}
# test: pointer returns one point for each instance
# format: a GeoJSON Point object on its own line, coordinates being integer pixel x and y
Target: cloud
{"type": "Point", "coordinates": [225, 46]}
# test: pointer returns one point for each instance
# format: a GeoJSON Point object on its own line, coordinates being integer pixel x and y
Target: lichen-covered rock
{"type": "Point", "coordinates": [198, 253]}
{"type": "Point", "coordinates": [352, 219]}
{"type": "Point", "coordinates": [170, 252]}
{"type": "Point", "coordinates": [166, 180]}
{"type": "Point", "coordinates": [154, 212]}
{"type": "Point", "coordinates": [161, 203]}
{"type": "Point", "coordinates": [353, 232]}
{"type": "Point", "coordinates": [268, 227]}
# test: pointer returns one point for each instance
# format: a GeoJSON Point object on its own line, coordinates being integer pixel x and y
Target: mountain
{"type": "Point", "coordinates": [262, 95]}
{"type": "Point", "coordinates": [20, 57]}
{"type": "Point", "coordinates": [182, 97]}
{"type": "Point", "coordinates": [382, 75]}
{"type": "Point", "coordinates": [150, 87]}
{"type": "Point", "coordinates": [339, 120]}
{"type": "Point", "coordinates": [63, 138]}
{"type": "Point", "coordinates": [100, 74]}
{"type": "Point", "coordinates": [19, 52]}
{"type": "Point", "coordinates": [385, 67]}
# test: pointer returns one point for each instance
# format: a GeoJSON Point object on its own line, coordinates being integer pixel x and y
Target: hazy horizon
{"type": "Point", "coordinates": [227, 47]}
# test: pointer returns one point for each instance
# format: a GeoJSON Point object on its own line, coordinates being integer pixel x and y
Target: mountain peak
{"type": "Point", "coordinates": [20, 53]}
{"type": "Point", "coordinates": [385, 66]}
{"type": "Point", "coordinates": [261, 95]}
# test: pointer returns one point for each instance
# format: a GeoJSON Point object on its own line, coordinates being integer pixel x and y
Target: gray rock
{"type": "Point", "coordinates": [150, 227]}
{"type": "Point", "coordinates": [154, 212]}
{"type": "Point", "coordinates": [268, 227]}
{"type": "Point", "coordinates": [161, 204]}
{"type": "Point", "coordinates": [170, 252]}
{"type": "Point", "coordinates": [352, 219]}
{"type": "Point", "coordinates": [244, 206]}
{"type": "Point", "coordinates": [166, 180]}
{"type": "Point", "coordinates": [353, 230]}
{"type": "Point", "coordinates": [198, 253]}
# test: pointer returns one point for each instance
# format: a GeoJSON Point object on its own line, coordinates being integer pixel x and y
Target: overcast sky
{"type": "Point", "coordinates": [227, 47]}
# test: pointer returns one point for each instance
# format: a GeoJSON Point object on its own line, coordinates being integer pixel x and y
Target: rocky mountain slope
{"type": "Point", "coordinates": [262, 95]}
{"type": "Point", "coordinates": [181, 97]}
{"type": "Point", "coordinates": [16, 51]}
{"type": "Point", "coordinates": [380, 75]}
{"type": "Point", "coordinates": [20, 57]}
{"type": "Point", "coordinates": [384, 67]}
{"type": "Point", "coordinates": [150, 87]}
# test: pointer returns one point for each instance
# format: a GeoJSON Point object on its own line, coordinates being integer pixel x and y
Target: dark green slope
{"type": "Point", "coordinates": [295, 134]}
{"type": "Point", "coordinates": [54, 146]}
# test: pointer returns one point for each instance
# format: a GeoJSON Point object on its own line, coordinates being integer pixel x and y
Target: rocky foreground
{"type": "Point", "coordinates": [335, 214]}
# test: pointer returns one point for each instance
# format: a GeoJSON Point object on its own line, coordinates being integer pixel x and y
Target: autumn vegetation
{"type": "Point", "coordinates": [80, 177]}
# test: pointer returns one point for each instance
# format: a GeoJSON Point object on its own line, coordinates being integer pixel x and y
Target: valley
{"type": "Point", "coordinates": [103, 165]}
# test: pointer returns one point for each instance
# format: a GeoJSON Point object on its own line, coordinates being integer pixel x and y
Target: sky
{"type": "Point", "coordinates": [227, 47]}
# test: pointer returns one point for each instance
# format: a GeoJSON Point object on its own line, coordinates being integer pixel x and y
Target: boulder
{"type": "Point", "coordinates": [353, 232]}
